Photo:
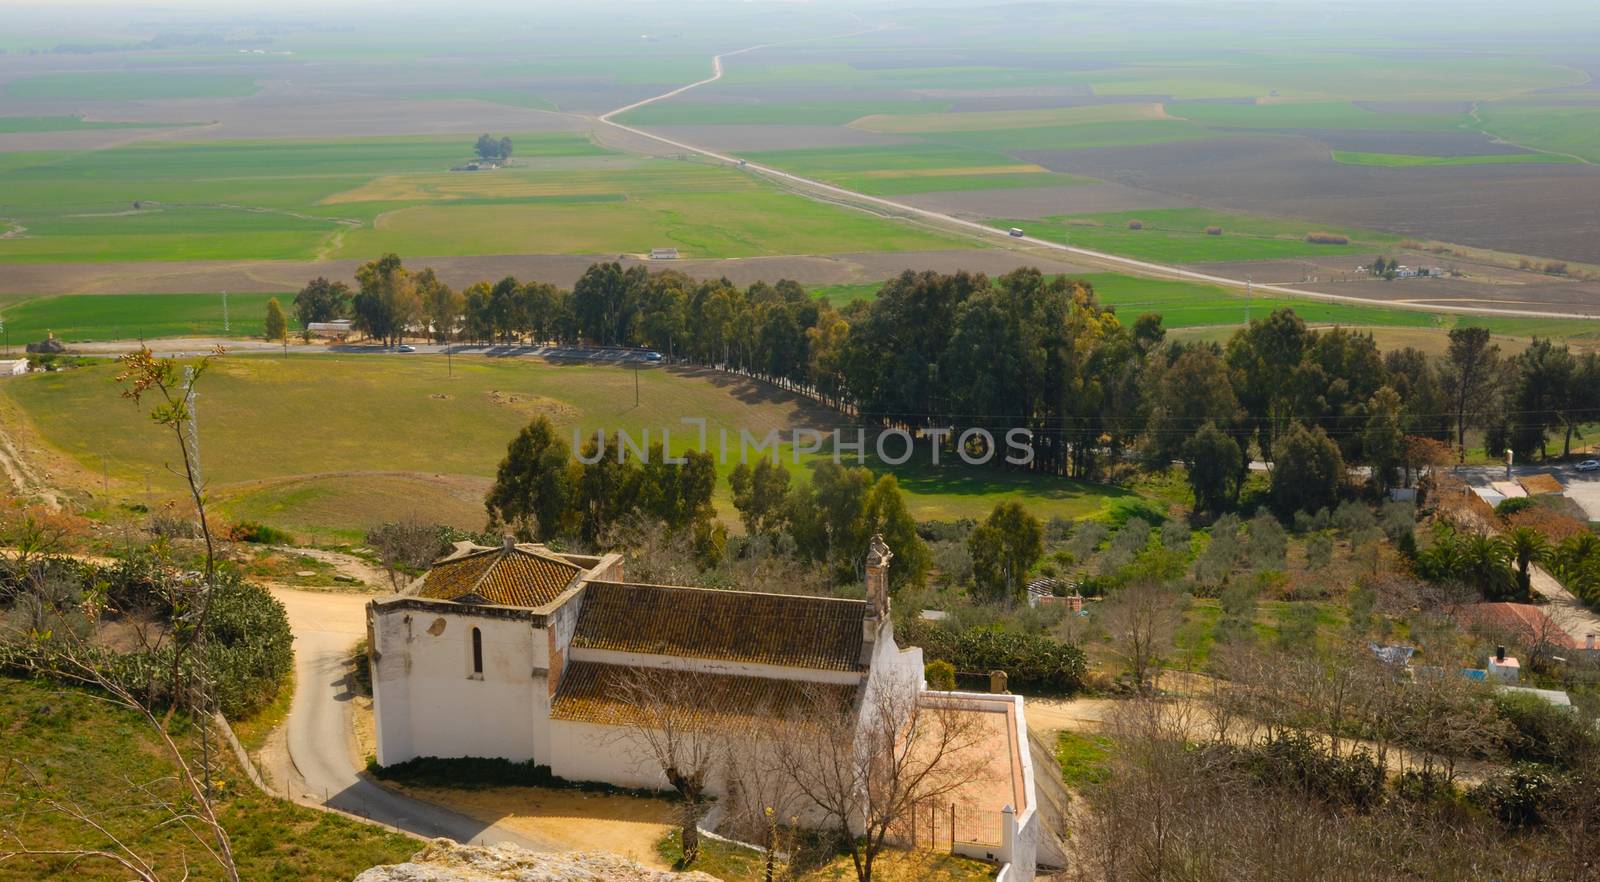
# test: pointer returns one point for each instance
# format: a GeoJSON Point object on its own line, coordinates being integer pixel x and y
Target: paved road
{"type": "Point", "coordinates": [816, 188]}
{"type": "Point", "coordinates": [326, 626]}
{"type": "Point", "coordinates": [188, 347]}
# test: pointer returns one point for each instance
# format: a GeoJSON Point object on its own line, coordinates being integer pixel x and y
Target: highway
{"type": "Point", "coordinates": [816, 188]}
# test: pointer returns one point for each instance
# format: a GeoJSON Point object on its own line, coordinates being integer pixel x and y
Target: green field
{"type": "Point", "coordinates": [131, 86]}
{"type": "Point", "coordinates": [1313, 115]}
{"type": "Point", "coordinates": [276, 451]}
{"type": "Point", "coordinates": [360, 197]}
{"type": "Point", "coordinates": [794, 113]}
{"type": "Point", "coordinates": [1178, 235]}
{"type": "Point", "coordinates": [1407, 160]}
{"type": "Point", "coordinates": [508, 97]}
{"type": "Point", "coordinates": [75, 317]}
{"type": "Point", "coordinates": [92, 754]}
{"type": "Point", "coordinates": [928, 168]}
{"type": "Point", "coordinates": [1572, 129]}
{"type": "Point", "coordinates": [22, 124]}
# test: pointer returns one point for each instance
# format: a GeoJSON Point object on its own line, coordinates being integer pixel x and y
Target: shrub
{"type": "Point", "coordinates": [1135, 224]}
{"type": "Point", "coordinates": [1319, 551]}
{"type": "Point", "coordinates": [1294, 759]}
{"type": "Point", "coordinates": [1268, 543]}
{"type": "Point", "coordinates": [251, 531]}
{"type": "Point", "coordinates": [1397, 518]}
{"type": "Point", "coordinates": [1213, 231]}
{"type": "Point", "coordinates": [1519, 796]}
{"type": "Point", "coordinates": [1544, 733]}
{"type": "Point", "coordinates": [1175, 536]}
{"type": "Point", "coordinates": [1556, 268]}
{"type": "Point", "coordinates": [1352, 517]}
{"type": "Point", "coordinates": [1509, 507]}
{"type": "Point", "coordinates": [168, 524]}
{"type": "Point", "coordinates": [1319, 238]}
{"type": "Point", "coordinates": [940, 674]}
{"type": "Point", "coordinates": [1086, 537]}
{"type": "Point", "coordinates": [248, 648]}
{"type": "Point", "coordinates": [1031, 661]}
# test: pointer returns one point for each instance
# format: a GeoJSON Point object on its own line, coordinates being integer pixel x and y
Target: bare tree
{"type": "Point", "coordinates": [1142, 620]}
{"type": "Point", "coordinates": [866, 769]}
{"type": "Point", "coordinates": [404, 547]}
{"type": "Point", "coordinates": [671, 725]}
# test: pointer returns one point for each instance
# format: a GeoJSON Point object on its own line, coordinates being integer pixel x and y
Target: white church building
{"type": "Point", "coordinates": [515, 652]}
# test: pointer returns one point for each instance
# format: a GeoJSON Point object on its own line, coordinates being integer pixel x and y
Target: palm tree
{"type": "Point", "coordinates": [1577, 564]}
{"type": "Point", "coordinates": [1485, 561]}
{"type": "Point", "coordinates": [1528, 547]}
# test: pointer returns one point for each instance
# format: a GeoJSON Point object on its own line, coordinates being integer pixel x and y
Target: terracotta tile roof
{"type": "Point", "coordinates": [1521, 621]}
{"type": "Point", "coordinates": [589, 694]}
{"type": "Point", "coordinates": [745, 626]}
{"type": "Point", "coordinates": [520, 576]}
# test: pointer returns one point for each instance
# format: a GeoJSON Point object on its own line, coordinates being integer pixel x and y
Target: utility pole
{"type": "Point", "coordinates": [8, 337]}
{"type": "Point", "coordinates": [225, 328]}
{"type": "Point", "coordinates": [449, 364]}
{"type": "Point", "coordinates": [636, 384]}
{"type": "Point", "coordinates": [193, 439]}
{"type": "Point", "coordinates": [1249, 293]}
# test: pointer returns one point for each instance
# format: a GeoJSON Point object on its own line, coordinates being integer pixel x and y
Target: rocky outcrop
{"type": "Point", "coordinates": [446, 861]}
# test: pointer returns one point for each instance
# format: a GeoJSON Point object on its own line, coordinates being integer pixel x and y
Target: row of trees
{"type": "Point", "coordinates": [961, 350]}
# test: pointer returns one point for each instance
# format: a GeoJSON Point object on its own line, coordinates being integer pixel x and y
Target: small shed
{"type": "Point", "coordinates": [13, 367]}
{"type": "Point", "coordinates": [663, 254]}
{"type": "Point", "coordinates": [333, 330]}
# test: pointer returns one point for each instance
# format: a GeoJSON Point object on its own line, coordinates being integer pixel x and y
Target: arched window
{"type": "Point", "coordinates": [477, 651]}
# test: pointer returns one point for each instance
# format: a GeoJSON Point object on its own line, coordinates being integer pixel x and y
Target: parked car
{"type": "Point", "coordinates": [1589, 465]}
{"type": "Point", "coordinates": [1016, 232]}
{"type": "Point", "coordinates": [652, 356]}
{"type": "Point", "coordinates": [405, 347]}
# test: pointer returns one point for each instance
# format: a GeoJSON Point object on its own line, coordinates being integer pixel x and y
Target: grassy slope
{"type": "Point", "coordinates": [266, 421]}
{"type": "Point", "coordinates": [93, 753]}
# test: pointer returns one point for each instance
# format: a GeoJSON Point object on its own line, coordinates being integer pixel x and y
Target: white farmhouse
{"type": "Point", "coordinates": [515, 652]}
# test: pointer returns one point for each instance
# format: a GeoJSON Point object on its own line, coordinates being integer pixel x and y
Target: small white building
{"type": "Point", "coordinates": [663, 254]}
{"type": "Point", "coordinates": [13, 367]}
{"type": "Point", "coordinates": [334, 330]}
{"type": "Point", "coordinates": [517, 652]}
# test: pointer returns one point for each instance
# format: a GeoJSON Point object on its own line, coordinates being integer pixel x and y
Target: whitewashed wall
{"type": "Point", "coordinates": [428, 702]}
